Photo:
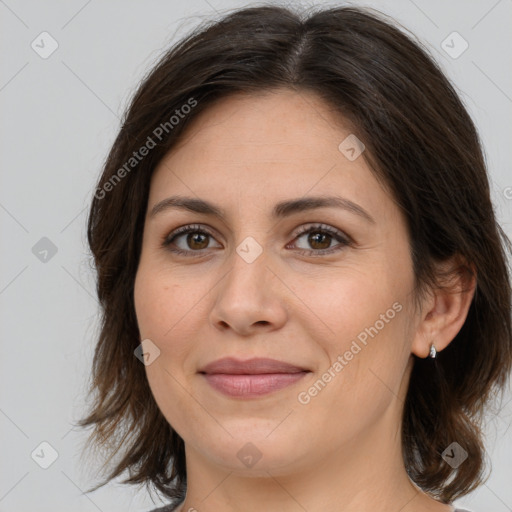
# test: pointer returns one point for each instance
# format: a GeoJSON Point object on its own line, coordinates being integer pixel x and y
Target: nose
{"type": "Point", "coordinates": [251, 297]}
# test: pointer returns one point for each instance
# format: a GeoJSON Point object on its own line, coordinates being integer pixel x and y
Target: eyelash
{"type": "Point", "coordinates": [343, 239]}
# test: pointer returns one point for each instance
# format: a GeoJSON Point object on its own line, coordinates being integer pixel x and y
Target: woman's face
{"type": "Point", "coordinates": [335, 304]}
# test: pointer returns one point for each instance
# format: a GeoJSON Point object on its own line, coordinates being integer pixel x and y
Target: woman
{"type": "Point", "coordinates": [306, 301]}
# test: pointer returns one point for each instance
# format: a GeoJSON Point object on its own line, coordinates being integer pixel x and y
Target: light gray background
{"type": "Point", "coordinates": [59, 118]}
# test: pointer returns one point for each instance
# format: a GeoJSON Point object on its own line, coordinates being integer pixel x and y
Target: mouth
{"type": "Point", "coordinates": [251, 378]}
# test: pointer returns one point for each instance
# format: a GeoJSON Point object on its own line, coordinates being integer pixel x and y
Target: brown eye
{"type": "Point", "coordinates": [188, 239]}
{"type": "Point", "coordinates": [197, 241]}
{"type": "Point", "coordinates": [319, 240]}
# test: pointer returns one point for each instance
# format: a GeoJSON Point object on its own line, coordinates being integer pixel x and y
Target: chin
{"type": "Point", "coordinates": [252, 451]}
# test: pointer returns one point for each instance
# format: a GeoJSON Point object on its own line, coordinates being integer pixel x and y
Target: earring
{"type": "Point", "coordinates": [433, 351]}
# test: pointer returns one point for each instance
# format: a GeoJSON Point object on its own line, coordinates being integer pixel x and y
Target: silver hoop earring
{"type": "Point", "coordinates": [433, 351]}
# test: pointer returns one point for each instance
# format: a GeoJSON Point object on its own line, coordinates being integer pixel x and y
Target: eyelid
{"type": "Point", "coordinates": [319, 226]}
{"type": "Point", "coordinates": [342, 237]}
{"type": "Point", "coordinates": [187, 228]}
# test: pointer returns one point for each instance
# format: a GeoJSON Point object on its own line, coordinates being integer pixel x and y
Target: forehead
{"type": "Point", "coordinates": [265, 147]}
{"type": "Point", "coordinates": [268, 119]}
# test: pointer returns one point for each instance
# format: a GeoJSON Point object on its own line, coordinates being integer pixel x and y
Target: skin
{"type": "Point", "coordinates": [341, 450]}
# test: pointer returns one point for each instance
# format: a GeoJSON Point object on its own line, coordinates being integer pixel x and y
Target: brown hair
{"type": "Point", "coordinates": [420, 141]}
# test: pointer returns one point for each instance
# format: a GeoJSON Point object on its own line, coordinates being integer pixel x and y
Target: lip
{"type": "Point", "coordinates": [251, 378]}
{"type": "Point", "coordinates": [252, 366]}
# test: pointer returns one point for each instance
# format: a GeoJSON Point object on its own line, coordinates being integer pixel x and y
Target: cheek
{"type": "Point", "coordinates": [149, 298]}
{"type": "Point", "coordinates": [349, 305]}
{"type": "Point", "coordinates": [159, 301]}
{"type": "Point", "coordinates": [169, 313]}
{"type": "Point", "coordinates": [366, 341]}
{"type": "Point", "coordinates": [159, 306]}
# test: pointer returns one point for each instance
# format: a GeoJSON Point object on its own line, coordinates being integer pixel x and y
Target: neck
{"type": "Point", "coordinates": [363, 474]}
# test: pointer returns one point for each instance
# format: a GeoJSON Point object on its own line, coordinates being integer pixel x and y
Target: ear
{"type": "Point", "coordinates": [444, 310]}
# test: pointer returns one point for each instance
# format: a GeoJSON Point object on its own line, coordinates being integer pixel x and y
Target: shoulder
{"type": "Point", "coordinates": [173, 508]}
{"type": "Point", "coordinates": [169, 508]}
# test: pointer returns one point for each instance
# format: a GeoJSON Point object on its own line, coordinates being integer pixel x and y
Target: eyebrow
{"type": "Point", "coordinates": [280, 210]}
